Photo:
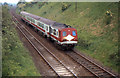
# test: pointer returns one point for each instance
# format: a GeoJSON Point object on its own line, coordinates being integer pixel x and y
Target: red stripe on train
{"type": "Point", "coordinates": [41, 29]}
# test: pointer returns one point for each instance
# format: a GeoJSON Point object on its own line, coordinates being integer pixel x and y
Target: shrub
{"type": "Point", "coordinates": [83, 43]}
{"type": "Point", "coordinates": [65, 7]}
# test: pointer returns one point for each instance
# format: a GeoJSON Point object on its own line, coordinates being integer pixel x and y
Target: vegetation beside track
{"type": "Point", "coordinates": [0, 40]}
{"type": "Point", "coordinates": [97, 32]}
{"type": "Point", "coordinates": [16, 60]}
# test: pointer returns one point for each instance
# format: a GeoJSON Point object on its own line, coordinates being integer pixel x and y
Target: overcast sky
{"type": "Point", "coordinates": [16, 1]}
{"type": "Point", "coordinates": [12, 1]}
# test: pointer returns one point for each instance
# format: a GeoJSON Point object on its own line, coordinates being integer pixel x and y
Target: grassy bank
{"type": "Point", "coordinates": [0, 40]}
{"type": "Point", "coordinates": [16, 60]}
{"type": "Point", "coordinates": [97, 32]}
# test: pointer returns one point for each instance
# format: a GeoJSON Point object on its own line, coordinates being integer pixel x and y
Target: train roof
{"type": "Point", "coordinates": [47, 21]}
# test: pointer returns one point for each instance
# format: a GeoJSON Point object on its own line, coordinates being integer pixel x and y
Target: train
{"type": "Point", "coordinates": [64, 36]}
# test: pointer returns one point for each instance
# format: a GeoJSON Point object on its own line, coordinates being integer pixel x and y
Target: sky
{"type": "Point", "coordinates": [12, 1]}
{"type": "Point", "coordinates": [16, 1]}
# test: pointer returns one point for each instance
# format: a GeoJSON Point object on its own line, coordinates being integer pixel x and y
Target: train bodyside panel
{"type": "Point", "coordinates": [66, 36]}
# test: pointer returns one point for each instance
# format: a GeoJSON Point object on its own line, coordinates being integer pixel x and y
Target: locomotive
{"type": "Point", "coordinates": [64, 36]}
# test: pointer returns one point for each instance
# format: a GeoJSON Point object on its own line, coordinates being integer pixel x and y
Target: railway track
{"type": "Point", "coordinates": [54, 63]}
{"type": "Point", "coordinates": [91, 66]}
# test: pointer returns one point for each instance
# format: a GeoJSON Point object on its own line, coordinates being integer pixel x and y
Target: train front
{"type": "Point", "coordinates": [69, 38]}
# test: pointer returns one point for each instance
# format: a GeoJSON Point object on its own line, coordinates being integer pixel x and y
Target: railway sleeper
{"type": "Point", "coordinates": [90, 66]}
{"type": "Point", "coordinates": [86, 63]}
{"type": "Point", "coordinates": [66, 74]}
{"type": "Point", "coordinates": [58, 65]}
{"type": "Point", "coordinates": [97, 69]}
{"type": "Point", "coordinates": [63, 71]}
{"type": "Point", "coordinates": [94, 67]}
{"type": "Point", "coordinates": [82, 60]}
{"type": "Point", "coordinates": [99, 72]}
{"type": "Point", "coordinates": [60, 69]}
{"type": "Point", "coordinates": [103, 74]}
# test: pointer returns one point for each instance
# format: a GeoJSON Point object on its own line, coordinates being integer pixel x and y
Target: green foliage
{"type": "Point", "coordinates": [108, 19]}
{"type": "Point", "coordinates": [83, 43]}
{"type": "Point", "coordinates": [16, 60]}
{"type": "Point", "coordinates": [97, 32]}
{"type": "Point", "coordinates": [65, 6]}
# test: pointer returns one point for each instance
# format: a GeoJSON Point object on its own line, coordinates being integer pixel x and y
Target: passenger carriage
{"type": "Point", "coordinates": [63, 35]}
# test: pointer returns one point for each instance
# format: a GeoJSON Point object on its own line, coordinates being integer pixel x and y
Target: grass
{"type": "Point", "coordinates": [16, 60]}
{"type": "Point", "coordinates": [97, 32]}
{"type": "Point", "coordinates": [0, 41]}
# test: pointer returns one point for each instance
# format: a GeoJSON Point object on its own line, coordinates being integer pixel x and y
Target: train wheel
{"type": "Point", "coordinates": [22, 20]}
{"type": "Point", "coordinates": [45, 36]}
{"type": "Point", "coordinates": [40, 33]}
{"type": "Point", "coordinates": [27, 23]}
{"type": "Point", "coordinates": [57, 45]}
{"type": "Point", "coordinates": [64, 48]}
{"type": "Point", "coordinates": [35, 29]}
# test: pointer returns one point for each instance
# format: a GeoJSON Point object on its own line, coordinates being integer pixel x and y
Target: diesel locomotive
{"type": "Point", "coordinates": [64, 36]}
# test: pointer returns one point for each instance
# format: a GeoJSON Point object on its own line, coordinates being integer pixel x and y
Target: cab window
{"type": "Point", "coordinates": [54, 31]}
{"type": "Point", "coordinates": [64, 33]}
{"type": "Point", "coordinates": [42, 25]}
{"type": "Point", "coordinates": [73, 33]}
{"type": "Point", "coordinates": [39, 24]}
{"type": "Point", "coordinates": [47, 28]}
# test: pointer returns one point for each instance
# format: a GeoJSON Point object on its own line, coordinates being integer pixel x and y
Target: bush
{"type": "Point", "coordinates": [108, 19]}
{"type": "Point", "coordinates": [65, 7]}
{"type": "Point", "coordinates": [83, 43]}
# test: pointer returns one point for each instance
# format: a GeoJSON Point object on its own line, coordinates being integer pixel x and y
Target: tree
{"type": "Point", "coordinates": [21, 1]}
{"type": "Point", "coordinates": [5, 3]}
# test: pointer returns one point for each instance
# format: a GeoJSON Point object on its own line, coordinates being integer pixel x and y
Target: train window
{"type": "Point", "coordinates": [51, 30]}
{"type": "Point", "coordinates": [29, 19]}
{"type": "Point", "coordinates": [47, 28]}
{"type": "Point", "coordinates": [41, 25]}
{"type": "Point", "coordinates": [33, 20]}
{"type": "Point", "coordinates": [25, 17]}
{"type": "Point", "coordinates": [64, 33]}
{"type": "Point", "coordinates": [57, 33]}
{"type": "Point", "coordinates": [54, 31]}
{"type": "Point", "coordinates": [73, 33]}
{"type": "Point", "coordinates": [38, 23]}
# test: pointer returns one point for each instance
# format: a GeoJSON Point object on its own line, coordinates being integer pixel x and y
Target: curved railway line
{"type": "Point", "coordinates": [58, 66]}
{"type": "Point", "coordinates": [91, 66]}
